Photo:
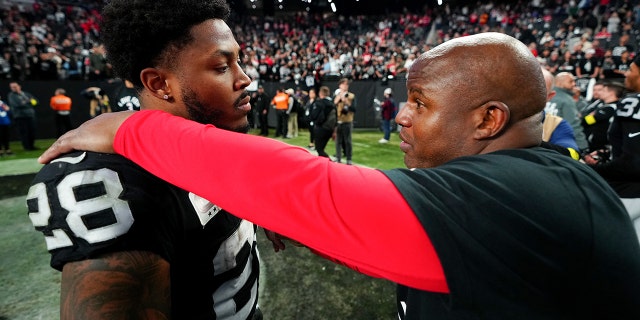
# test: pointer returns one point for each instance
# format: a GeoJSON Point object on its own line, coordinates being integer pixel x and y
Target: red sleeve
{"type": "Point", "coordinates": [352, 214]}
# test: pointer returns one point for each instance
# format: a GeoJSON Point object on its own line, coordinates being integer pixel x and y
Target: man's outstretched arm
{"type": "Point", "coordinates": [353, 215]}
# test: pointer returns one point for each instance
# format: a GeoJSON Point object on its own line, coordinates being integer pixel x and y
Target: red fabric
{"type": "Point", "coordinates": [351, 214]}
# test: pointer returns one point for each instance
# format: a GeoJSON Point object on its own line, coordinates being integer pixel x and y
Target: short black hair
{"type": "Point", "coordinates": [138, 34]}
{"type": "Point", "coordinates": [616, 86]}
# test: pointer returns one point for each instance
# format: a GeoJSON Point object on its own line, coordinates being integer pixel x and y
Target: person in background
{"type": "Point", "coordinates": [589, 66]}
{"type": "Point", "coordinates": [323, 115]}
{"type": "Point", "coordinates": [622, 169]}
{"type": "Point", "coordinates": [555, 130]}
{"type": "Point", "coordinates": [292, 121]}
{"type": "Point", "coordinates": [98, 101]}
{"type": "Point", "coordinates": [61, 104]}
{"type": "Point", "coordinates": [260, 102]}
{"type": "Point", "coordinates": [24, 114]}
{"type": "Point", "coordinates": [483, 223]}
{"type": "Point", "coordinates": [623, 45]}
{"type": "Point", "coordinates": [609, 65]}
{"type": "Point", "coordinates": [567, 63]}
{"type": "Point", "coordinates": [73, 66]}
{"type": "Point", "coordinates": [388, 111]}
{"type": "Point", "coordinates": [280, 103]}
{"type": "Point", "coordinates": [623, 63]}
{"type": "Point", "coordinates": [5, 126]}
{"type": "Point", "coordinates": [595, 101]}
{"type": "Point", "coordinates": [596, 121]}
{"type": "Point", "coordinates": [346, 107]}
{"type": "Point", "coordinates": [581, 102]}
{"type": "Point", "coordinates": [563, 105]}
{"type": "Point", "coordinates": [99, 66]}
{"type": "Point", "coordinates": [301, 96]}
{"type": "Point", "coordinates": [126, 97]}
{"type": "Point", "coordinates": [129, 245]}
{"type": "Point", "coordinates": [307, 116]}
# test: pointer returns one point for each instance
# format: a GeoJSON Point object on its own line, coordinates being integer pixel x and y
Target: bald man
{"type": "Point", "coordinates": [556, 130]}
{"type": "Point", "coordinates": [563, 105]}
{"type": "Point", "coordinates": [485, 225]}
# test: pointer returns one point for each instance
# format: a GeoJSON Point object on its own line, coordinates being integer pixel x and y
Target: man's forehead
{"type": "Point", "coordinates": [429, 64]}
{"type": "Point", "coordinates": [211, 30]}
{"type": "Point", "coordinates": [216, 35]}
{"type": "Point", "coordinates": [422, 81]}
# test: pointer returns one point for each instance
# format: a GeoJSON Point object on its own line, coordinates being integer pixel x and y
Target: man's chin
{"type": "Point", "coordinates": [243, 128]}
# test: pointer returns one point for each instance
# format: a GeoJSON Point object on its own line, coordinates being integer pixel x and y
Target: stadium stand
{"type": "Point", "coordinates": [60, 41]}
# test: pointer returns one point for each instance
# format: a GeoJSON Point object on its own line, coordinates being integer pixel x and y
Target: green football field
{"type": "Point", "coordinates": [294, 283]}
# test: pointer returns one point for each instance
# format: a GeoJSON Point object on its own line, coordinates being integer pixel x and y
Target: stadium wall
{"type": "Point", "coordinates": [366, 91]}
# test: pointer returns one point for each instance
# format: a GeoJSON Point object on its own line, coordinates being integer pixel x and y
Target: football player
{"type": "Point", "coordinates": [129, 245]}
{"type": "Point", "coordinates": [623, 170]}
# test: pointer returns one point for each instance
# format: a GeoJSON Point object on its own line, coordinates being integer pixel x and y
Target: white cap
{"type": "Point", "coordinates": [289, 91]}
{"type": "Point", "coordinates": [388, 91]}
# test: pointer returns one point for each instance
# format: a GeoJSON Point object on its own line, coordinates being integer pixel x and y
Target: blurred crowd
{"type": "Point", "coordinates": [45, 40]}
{"type": "Point", "coordinates": [597, 39]}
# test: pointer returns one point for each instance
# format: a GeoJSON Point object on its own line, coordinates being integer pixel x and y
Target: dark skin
{"type": "Point", "coordinates": [132, 284]}
{"type": "Point", "coordinates": [203, 82]}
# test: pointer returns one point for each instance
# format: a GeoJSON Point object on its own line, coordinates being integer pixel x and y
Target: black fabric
{"type": "Point", "coordinates": [126, 99]}
{"type": "Point", "coordinates": [624, 136]}
{"type": "Point", "coordinates": [296, 107]}
{"type": "Point", "coordinates": [323, 113]}
{"type": "Point", "coordinates": [523, 234]}
{"type": "Point", "coordinates": [105, 203]}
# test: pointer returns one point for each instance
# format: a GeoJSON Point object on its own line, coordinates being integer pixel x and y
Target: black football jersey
{"type": "Point", "coordinates": [88, 204]}
{"type": "Point", "coordinates": [126, 99]}
{"type": "Point", "coordinates": [626, 128]}
{"type": "Point", "coordinates": [624, 137]}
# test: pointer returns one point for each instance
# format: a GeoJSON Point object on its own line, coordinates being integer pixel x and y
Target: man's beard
{"type": "Point", "coordinates": [202, 114]}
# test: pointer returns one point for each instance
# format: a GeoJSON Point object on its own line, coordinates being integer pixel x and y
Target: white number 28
{"type": "Point", "coordinates": [108, 203]}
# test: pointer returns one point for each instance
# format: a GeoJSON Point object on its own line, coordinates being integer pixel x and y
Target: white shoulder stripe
{"type": "Point", "coordinates": [71, 160]}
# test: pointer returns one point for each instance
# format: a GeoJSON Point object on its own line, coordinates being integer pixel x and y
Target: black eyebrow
{"type": "Point", "coordinates": [226, 53]}
{"type": "Point", "coordinates": [415, 90]}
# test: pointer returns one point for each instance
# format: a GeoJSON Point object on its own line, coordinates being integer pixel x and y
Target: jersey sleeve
{"type": "Point", "coordinates": [352, 214]}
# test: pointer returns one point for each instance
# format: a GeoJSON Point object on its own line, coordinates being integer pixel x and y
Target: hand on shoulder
{"type": "Point", "coordinates": [95, 135]}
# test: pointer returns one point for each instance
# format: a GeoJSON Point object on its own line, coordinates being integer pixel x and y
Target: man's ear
{"type": "Point", "coordinates": [493, 117]}
{"type": "Point", "coordinates": [551, 94]}
{"type": "Point", "coordinates": [155, 81]}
